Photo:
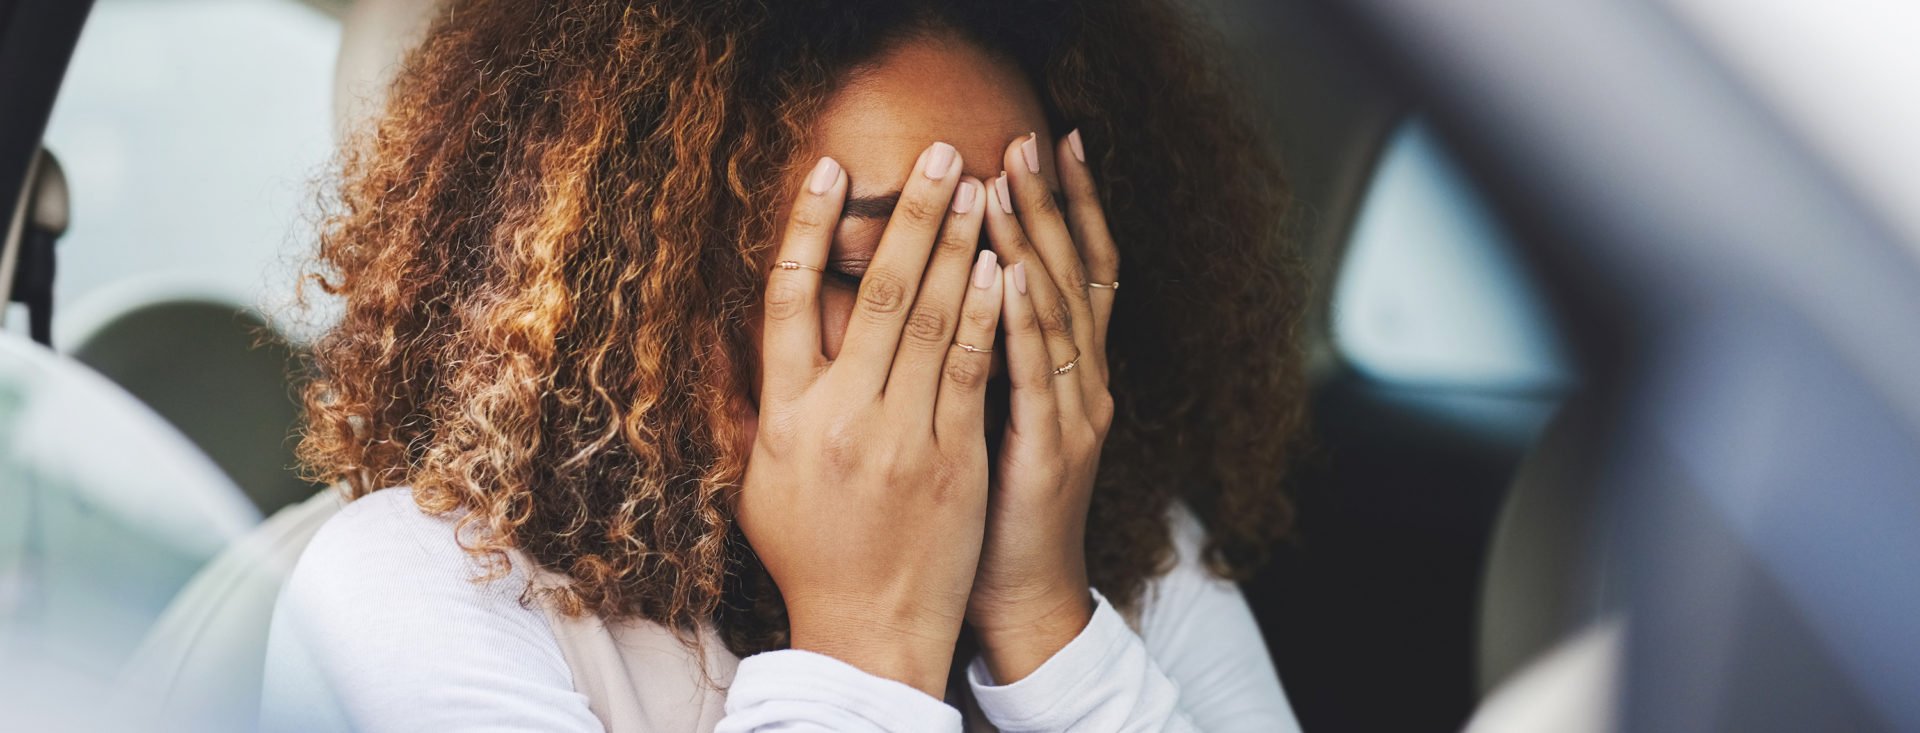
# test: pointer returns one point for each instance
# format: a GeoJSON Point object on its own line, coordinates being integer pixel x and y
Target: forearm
{"type": "Point", "coordinates": [916, 653]}
{"type": "Point", "coordinates": [1017, 646]}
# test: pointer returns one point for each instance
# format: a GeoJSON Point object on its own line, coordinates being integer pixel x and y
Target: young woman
{"type": "Point", "coordinates": [791, 334]}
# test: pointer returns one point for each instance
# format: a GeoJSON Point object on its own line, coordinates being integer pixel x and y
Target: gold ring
{"type": "Point", "coordinates": [971, 349]}
{"type": "Point", "coordinates": [1067, 367]}
{"type": "Point", "coordinates": [791, 265]}
{"type": "Point", "coordinates": [1115, 285]}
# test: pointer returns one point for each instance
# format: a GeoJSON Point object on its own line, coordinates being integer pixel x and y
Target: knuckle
{"type": "Point", "coordinates": [966, 373]}
{"type": "Point", "coordinates": [955, 245]}
{"type": "Point", "coordinates": [1076, 280]}
{"type": "Point", "coordinates": [808, 220]}
{"type": "Point", "coordinates": [882, 293]}
{"type": "Point", "coordinates": [1043, 203]}
{"type": "Point", "coordinates": [901, 467]}
{"type": "Point", "coordinates": [920, 210]}
{"type": "Point", "coordinates": [786, 297]}
{"type": "Point", "coordinates": [1057, 321]}
{"type": "Point", "coordinates": [840, 444]}
{"type": "Point", "coordinates": [927, 324]}
{"type": "Point", "coordinates": [1024, 325]}
{"type": "Point", "coordinates": [1100, 411]}
{"type": "Point", "coordinates": [1079, 438]}
{"type": "Point", "coordinates": [983, 320]}
{"type": "Point", "coordinates": [1104, 259]}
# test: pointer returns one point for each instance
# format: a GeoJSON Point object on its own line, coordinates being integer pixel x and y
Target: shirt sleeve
{"type": "Point", "coordinates": [1199, 663]}
{"type": "Point", "coordinates": [794, 690]}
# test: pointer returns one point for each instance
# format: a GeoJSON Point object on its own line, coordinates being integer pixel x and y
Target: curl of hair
{"type": "Point", "coordinates": [549, 247]}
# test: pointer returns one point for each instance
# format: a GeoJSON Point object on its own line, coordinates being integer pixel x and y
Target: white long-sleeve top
{"type": "Point", "coordinates": [394, 634]}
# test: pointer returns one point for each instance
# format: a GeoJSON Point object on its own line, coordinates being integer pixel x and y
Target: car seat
{"type": "Point", "coordinates": [200, 666]}
{"type": "Point", "coordinates": [105, 513]}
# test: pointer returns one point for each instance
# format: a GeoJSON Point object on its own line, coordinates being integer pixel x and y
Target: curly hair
{"type": "Point", "coordinates": [549, 246]}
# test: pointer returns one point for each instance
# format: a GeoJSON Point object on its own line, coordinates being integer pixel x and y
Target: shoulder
{"type": "Point", "coordinates": [1200, 632]}
{"type": "Point", "coordinates": [386, 608]}
{"type": "Point", "coordinates": [1188, 587]}
{"type": "Point", "coordinates": [381, 553]}
{"type": "Point", "coordinates": [384, 536]}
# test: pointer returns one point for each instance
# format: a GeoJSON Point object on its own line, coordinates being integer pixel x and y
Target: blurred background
{"type": "Point", "coordinates": [1615, 407]}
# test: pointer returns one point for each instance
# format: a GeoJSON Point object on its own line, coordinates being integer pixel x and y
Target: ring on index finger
{"type": "Point", "coordinates": [792, 265]}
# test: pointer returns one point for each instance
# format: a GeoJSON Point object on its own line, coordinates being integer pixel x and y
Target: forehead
{"type": "Point", "coordinates": [921, 90]}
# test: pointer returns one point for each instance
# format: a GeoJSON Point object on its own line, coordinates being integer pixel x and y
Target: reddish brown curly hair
{"type": "Point", "coordinates": [550, 245]}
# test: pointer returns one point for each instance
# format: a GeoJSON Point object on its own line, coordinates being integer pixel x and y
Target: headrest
{"type": "Point", "coordinates": [375, 36]}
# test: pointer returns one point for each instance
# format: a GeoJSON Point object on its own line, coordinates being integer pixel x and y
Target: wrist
{"type": "Point", "coordinates": [915, 654]}
{"type": "Point", "coordinates": [1017, 641]}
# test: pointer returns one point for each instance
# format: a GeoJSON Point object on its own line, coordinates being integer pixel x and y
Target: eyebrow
{"type": "Point", "coordinates": [881, 207]}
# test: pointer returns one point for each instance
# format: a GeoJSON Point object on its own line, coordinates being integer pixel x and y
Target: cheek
{"type": "Point", "coordinates": [836, 308]}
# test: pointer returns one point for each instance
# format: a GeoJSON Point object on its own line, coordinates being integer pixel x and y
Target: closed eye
{"type": "Point", "coordinates": [847, 272]}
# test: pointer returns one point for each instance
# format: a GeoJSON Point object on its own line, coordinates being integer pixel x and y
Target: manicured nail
{"type": "Point", "coordinates": [984, 270]}
{"type": "Point", "coordinates": [1031, 151]}
{"type": "Point", "coordinates": [939, 161]}
{"type": "Point", "coordinates": [1020, 277]}
{"type": "Point", "coordinates": [963, 198]}
{"type": "Point", "coordinates": [1073, 144]}
{"type": "Point", "coordinates": [1000, 188]}
{"type": "Point", "coordinates": [824, 174]}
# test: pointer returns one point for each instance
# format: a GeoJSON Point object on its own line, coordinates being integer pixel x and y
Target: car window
{"type": "Point", "coordinates": [1430, 294]}
{"type": "Point", "coordinates": [189, 131]}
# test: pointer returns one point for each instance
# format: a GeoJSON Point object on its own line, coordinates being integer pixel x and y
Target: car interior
{"type": "Point", "coordinates": [1439, 535]}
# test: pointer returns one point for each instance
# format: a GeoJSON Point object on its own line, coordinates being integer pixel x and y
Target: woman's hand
{"type": "Point", "coordinates": [865, 495]}
{"type": "Point", "coordinates": [1031, 596]}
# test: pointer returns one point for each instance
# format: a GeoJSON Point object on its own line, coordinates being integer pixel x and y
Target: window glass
{"type": "Point", "coordinates": [190, 132]}
{"type": "Point", "coordinates": [1431, 294]}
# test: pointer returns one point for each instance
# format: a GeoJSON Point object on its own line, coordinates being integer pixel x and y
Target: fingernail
{"type": "Point", "coordinates": [824, 174]}
{"type": "Point", "coordinates": [1000, 187]}
{"type": "Point", "coordinates": [1020, 277]}
{"type": "Point", "coordinates": [939, 160]}
{"type": "Point", "coordinates": [1031, 151]}
{"type": "Point", "coordinates": [984, 270]}
{"type": "Point", "coordinates": [1073, 144]}
{"type": "Point", "coordinates": [963, 198]}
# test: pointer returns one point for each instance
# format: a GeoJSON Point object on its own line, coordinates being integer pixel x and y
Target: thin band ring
{"type": "Point", "coordinates": [971, 349]}
{"type": "Point", "coordinates": [1115, 285]}
{"type": "Point", "coordinates": [1067, 367]}
{"type": "Point", "coordinates": [792, 265]}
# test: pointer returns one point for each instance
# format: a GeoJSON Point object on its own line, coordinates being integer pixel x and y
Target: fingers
{"type": "Point", "coordinates": [961, 405]}
{"type": "Point", "coordinates": [1041, 218]}
{"type": "Point", "coordinates": [1087, 221]}
{"type": "Point", "coordinates": [1035, 410]}
{"type": "Point", "coordinates": [1054, 316]}
{"type": "Point", "coordinates": [893, 278]}
{"type": "Point", "coordinates": [791, 338]}
{"type": "Point", "coordinates": [930, 326]}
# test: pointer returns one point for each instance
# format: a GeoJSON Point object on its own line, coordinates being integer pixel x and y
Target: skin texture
{"type": "Point", "coordinates": [542, 266]}
{"type": "Point", "coordinates": [866, 492]}
{"type": "Point", "coordinates": [931, 88]}
{"type": "Point", "coordinates": [829, 499]}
